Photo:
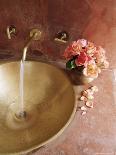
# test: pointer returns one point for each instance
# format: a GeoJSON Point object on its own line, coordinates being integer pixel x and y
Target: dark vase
{"type": "Point", "coordinates": [77, 76]}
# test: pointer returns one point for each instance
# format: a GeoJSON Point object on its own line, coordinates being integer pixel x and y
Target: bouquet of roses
{"type": "Point", "coordinates": [87, 57]}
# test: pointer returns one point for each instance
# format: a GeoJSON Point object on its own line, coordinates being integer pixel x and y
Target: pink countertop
{"type": "Point", "coordinates": [95, 132]}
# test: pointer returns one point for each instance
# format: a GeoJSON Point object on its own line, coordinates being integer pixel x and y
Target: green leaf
{"type": "Point", "coordinates": [71, 64]}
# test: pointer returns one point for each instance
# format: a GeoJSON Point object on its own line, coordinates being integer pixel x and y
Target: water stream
{"type": "Point", "coordinates": [21, 87]}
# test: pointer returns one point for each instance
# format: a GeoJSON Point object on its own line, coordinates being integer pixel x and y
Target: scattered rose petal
{"type": "Point", "coordinates": [80, 104]}
{"type": "Point", "coordinates": [87, 98]}
{"type": "Point", "coordinates": [82, 98]}
{"type": "Point", "coordinates": [83, 108]}
{"type": "Point", "coordinates": [83, 113]}
{"type": "Point", "coordinates": [89, 92]}
{"type": "Point", "coordinates": [84, 93]}
{"type": "Point", "coordinates": [94, 88]}
{"type": "Point", "coordinates": [90, 97]}
{"type": "Point", "coordinates": [89, 104]}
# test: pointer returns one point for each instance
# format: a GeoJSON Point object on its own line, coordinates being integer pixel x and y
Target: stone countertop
{"type": "Point", "coordinates": [93, 133]}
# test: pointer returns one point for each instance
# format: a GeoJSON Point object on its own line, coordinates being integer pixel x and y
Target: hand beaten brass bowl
{"type": "Point", "coordinates": [49, 105]}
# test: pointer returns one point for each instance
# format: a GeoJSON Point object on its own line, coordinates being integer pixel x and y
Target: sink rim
{"type": "Point", "coordinates": [36, 147]}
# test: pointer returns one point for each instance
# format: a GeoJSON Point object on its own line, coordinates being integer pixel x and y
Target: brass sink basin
{"type": "Point", "coordinates": [49, 103]}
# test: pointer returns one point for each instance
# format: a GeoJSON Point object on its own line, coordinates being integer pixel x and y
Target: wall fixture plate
{"type": "Point", "coordinates": [37, 34]}
{"type": "Point", "coordinates": [62, 37]}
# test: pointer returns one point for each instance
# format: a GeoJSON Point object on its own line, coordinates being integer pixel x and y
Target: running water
{"type": "Point", "coordinates": [22, 113]}
{"type": "Point", "coordinates": [21, 87]}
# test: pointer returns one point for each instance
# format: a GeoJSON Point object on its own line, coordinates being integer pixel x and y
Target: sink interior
{"type": "Point", "coordinates": [49, 103]}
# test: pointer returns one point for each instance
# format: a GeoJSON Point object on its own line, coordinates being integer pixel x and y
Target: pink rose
{"type": "Point", "coordinates": [88, 55]}
{"type": "Point", "coordinates": [82, 59]}
{"type": "Point", "coordinates": [82, 42]}
{"type": "Point", "coordinates": [100, 58]}
{"type": "Point", "coordinates": [91, 70]}
{"type": "Point", "coordinates": [76, 47]}
{"type": "Point", "coordinates": [91, 48]}
{"type": "Point", "coordinates": [69, 52]}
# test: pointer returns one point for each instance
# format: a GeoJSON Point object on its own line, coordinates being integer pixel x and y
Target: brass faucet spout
{"type": "Point", "coordinates": [26, 48]}
{"type": "Point", "coordinates": [35, 34]}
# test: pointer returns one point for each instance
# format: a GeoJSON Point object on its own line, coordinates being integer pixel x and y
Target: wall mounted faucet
{"type": "Point", "coordinates": [35, 34]}
{"type": "Point", "coordinates": [11, 30]}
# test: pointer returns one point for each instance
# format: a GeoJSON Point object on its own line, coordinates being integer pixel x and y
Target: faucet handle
{"type": "Point", "coordinates": [62, 36]}
{"type": "Point", "coordinates": [11, 30]}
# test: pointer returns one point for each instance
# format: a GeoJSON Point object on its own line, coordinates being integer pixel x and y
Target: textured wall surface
{"type": "Point", "coordinates": [24, 15]}
{"type": "Point", "coordinates": [49, 16]}
{"type": "Point", "coordinates": [95, 20]}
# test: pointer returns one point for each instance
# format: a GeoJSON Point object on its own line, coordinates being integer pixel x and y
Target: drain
{"type": "Point", "coordinates": [21, 115]}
